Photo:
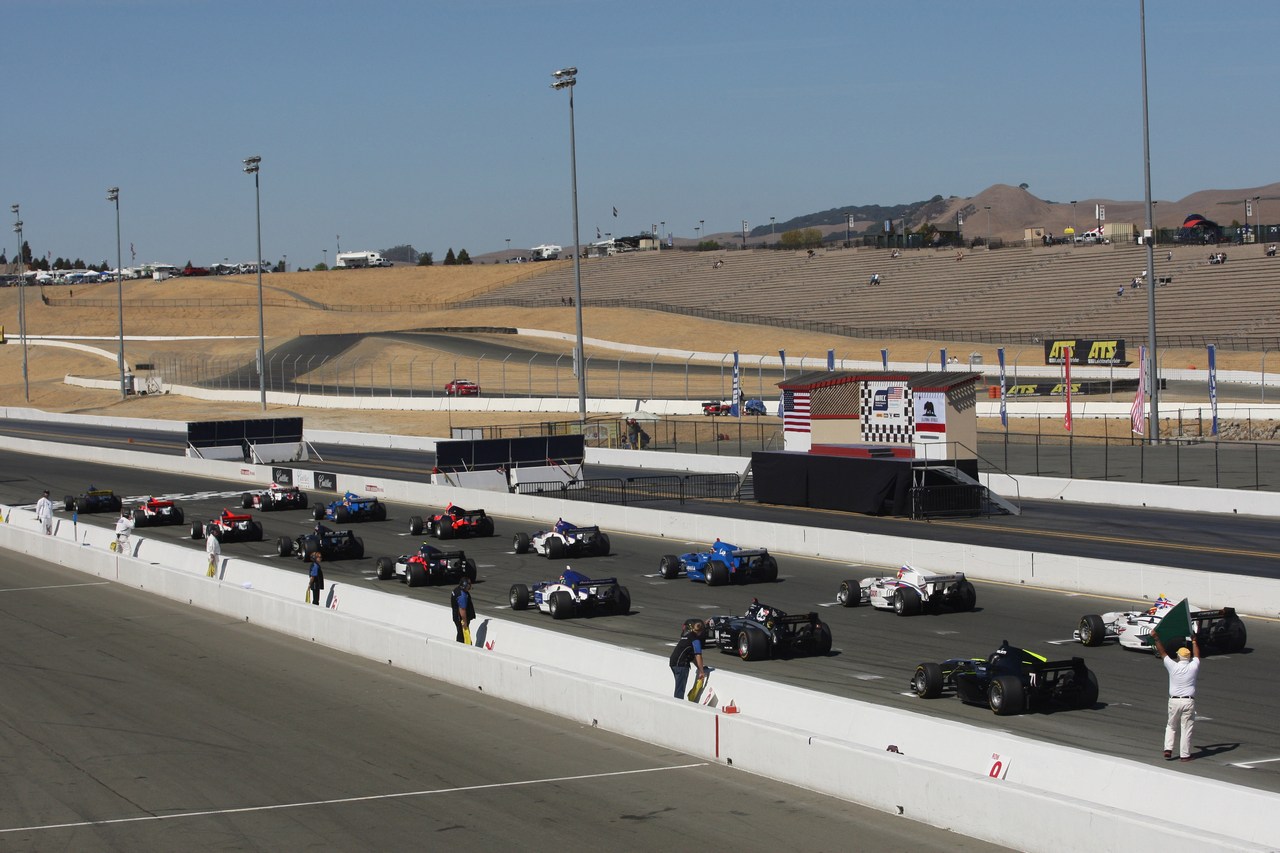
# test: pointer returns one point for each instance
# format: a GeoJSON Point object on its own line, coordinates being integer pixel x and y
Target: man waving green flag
{"type": "Point", "coordinates": [1175, 626]}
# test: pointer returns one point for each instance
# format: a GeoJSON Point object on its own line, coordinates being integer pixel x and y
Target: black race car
{"type": "Point", "coordinates": [229, 527]}
{"type": "Point", "coordinates": [332, 544]}
{"type": "Point", "coordinates": [429, 565]}
{"type": "Point", "coordinates": [766, 631]}
{"type": "Point", "coordinates": [1010, 681]}
{"type": "Point", "coordinates": [454, 523]}
{"type": "Point", "coordinates": [94, 500]}
{"type": "Point", "coordinates": [276, 497]}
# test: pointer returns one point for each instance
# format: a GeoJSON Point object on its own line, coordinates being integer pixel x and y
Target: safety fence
{"type": "Point", "coordinates": [633, 490]}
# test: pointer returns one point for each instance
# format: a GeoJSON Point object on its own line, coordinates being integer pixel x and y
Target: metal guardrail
{"type": "Point", "coordinates": [958, 501]}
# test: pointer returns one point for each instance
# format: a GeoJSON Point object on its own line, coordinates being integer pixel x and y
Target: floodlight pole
{"type": "Point", "coordinates": [22, 300]}
{"type": "Point", "coordinates": [1152, 363]}
{"type": "Point", "coordinates": [251, 166]}
{"type": "Point", "coordinates": [113, 195]}
{"type": "Point", "coordinates": [567, 78]}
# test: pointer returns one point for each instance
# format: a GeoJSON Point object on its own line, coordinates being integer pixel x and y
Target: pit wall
{"type": "Point", "coordinates": [944, 773]}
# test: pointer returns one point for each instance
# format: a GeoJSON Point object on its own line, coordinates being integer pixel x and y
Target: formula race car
{"type": "Point", "coordinates": [454, 523]}
{"type": "Point", "coordinates": [429, 566]}
{"type": "Point", "coordinates": [1010, 681]}
{"type": "Point", "coordinates": [94, 500]}
{"type": "Point", "coordinates": [765, 632]}
{"type": "Point", "coordinates": [153, 513]}
{"type": "Point", "coordinates": [723, 564]}
{"type": "Point", "coordinates": [352, 507]}
{"type": "Point", "coordinates": [573, 593]}
{"type": "Point", "coordinates": [910, 592]}
{"type": "Point", "coordinates": [276, 497]}
{"type": "Point", "coordinates": [564, 540]}
{"type": "Point", "coordinates": [332, 544]}
{"type": "Point", "coordinates": [229, 527]}
{"type": "Point", "coordinates": [1220, 631]}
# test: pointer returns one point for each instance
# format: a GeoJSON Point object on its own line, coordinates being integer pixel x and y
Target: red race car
{"type": "Point", "coordinates": [229, 527]}
{"type": "Point", "coordinates": [152, 513]}
{"type": "Point", "coordinates": [462, 388]}
{"type": "Point", "coordinates": [454, 523]}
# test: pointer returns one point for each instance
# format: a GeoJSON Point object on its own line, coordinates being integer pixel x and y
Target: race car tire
{"type": "Point", "coordinates": [1092, 630]}
{"type": "Point", "coordinates": [379, 511]}
{"type": "Point", "coordinates": [601, 545]}
{"type": "Point", "coordinates": [768, 569]}
{"type": "Point", "coordinates": [69, 503]}
{"type": "Point", "coordinates": [246, 501]}
{"type": "Point", "coordinates": [357, 550]}
{"type": "Point", "coordinates": [1086, 695]}
{"type": "Point", "coordinates": [116, 503]}
{"type": "Point", "coordinates": [849, 594]}
{"type": "Point", "coordinates": [555, 548]}
{"type": "Point", "coordinates": [416, 575]}
{"type": "Point", "coordinates": [1006, 696]}
{"type": "Point", "coordinates": [927, 681]}
{"type": "Point", "coordinates": [717, 573]}
{"type": "Point", "coordinates": [141, 520]}
{"type": "Point", "coordinates": [317, 512]}
{"type": "Point", "coordinates": [82, 505]}
{"type": "Point", "coordinates": [620, 598]}
{"type": "Point", "coordinates": [822, 640]}
{"type": "Point", "coordinates": [341, 514]}
{"type": "Point", "coordinates": [964, 597]}
{"type": "Point", "coordinates": [179, 515]}
{"type": "Point", "coordinates": [197, 530]}
{"type": "Point", "coordinates": [284, 546]}
{"type": "Point", "coordinates": [485, 527]}
{"type": "Point", "coordinates": [1229, 635]}
{"type": "Point", "coordinates": [415, 525]}
{"type": "Point", "coordinates": [443, 530]}
{"type": "Point", "coordinates": [519, 596]}
{"type": "Point", "coordinates": [521, 543]}
{"type": "Point", "coordinates": [469, 569]}
{"type": "Point", "coordinates": [752, 645]}
{"type": "Point", "coordinates": [561, 604]}
{"type": "Point", "coordinates": [386, 568]}
{"type": "Point", "coordinates": [669, 566]}
{"type": "Point", "coordinates": [906, 601]}
{"type": "Point", "coordinates": [255, 532]}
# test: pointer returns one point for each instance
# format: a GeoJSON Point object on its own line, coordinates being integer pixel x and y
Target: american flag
{"type": "Point", "coordinates": [1136, 413]}
{"type": "Point", "coordinates": [897, 393]}
{"type": "Point", "coordinates": [795, 411]}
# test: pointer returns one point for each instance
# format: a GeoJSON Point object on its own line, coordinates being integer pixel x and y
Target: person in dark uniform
{"type": "Point", "coordinates": [688, 650]}
{"type": "Point", "coordinates": [463, 610]}
{"type": "Point", "coordinates": [316, 581]}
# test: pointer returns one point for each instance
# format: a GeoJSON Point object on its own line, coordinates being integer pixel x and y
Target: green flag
{"type": "Point", "coordinates": [1175, 627]}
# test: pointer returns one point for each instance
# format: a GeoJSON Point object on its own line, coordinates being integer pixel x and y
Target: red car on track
{"type": "Point", "coordinates": [462, 388]}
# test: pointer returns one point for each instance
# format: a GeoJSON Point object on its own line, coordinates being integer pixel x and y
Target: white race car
{"type": "Point", "coordinates": [910, 592]}
{"type": "Point", "coordinates": [1216, 630]}
{"type": "Point", "coordinates": [276, 497]}
{"type": "Point", "coordinates": [564, 540]}
{"type": "Point", "coordinates": [573, 593]}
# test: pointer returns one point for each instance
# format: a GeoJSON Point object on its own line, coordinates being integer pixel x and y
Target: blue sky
{"type": "Point", "coordinates": [433, 123]}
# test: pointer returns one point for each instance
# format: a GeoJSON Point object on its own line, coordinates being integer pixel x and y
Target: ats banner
{"type": "Point", "coordinates": [1085, 351]}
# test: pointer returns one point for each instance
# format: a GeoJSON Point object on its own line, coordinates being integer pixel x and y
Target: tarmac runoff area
{"type": "Point", "coordinates": [134, 723]}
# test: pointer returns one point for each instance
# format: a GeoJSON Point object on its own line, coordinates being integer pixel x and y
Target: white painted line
{"type": "Point", "coordinates": [1248, 765]}
{"type": "Point", "coordinates": [1070, 642]}
{"type": "Point", "coordinates": [945, 633]}
{"type": "Point", "coordinates": [370, 798]}
{"type": "Point", "coordinates": [57, 586]}
{"type": "Point", "coordinates": [866, 676]}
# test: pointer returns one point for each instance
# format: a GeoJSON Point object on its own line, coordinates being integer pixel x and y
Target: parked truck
{"type": "Point", "coordinates": [351, 260]}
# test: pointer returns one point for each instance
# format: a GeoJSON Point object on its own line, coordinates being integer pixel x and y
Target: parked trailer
{"type": "Point", "coordinates": [353, 260]}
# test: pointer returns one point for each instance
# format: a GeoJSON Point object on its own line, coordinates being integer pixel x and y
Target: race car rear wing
{"type": "Point", "coordinates": [582, 531]}
{"type": "Point", "coordinates": [751, 552]}
{"type": "Point", "coordinates": [1211, 615]}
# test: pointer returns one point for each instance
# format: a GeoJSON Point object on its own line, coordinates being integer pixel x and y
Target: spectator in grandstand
{"type": "Point", "coordinates": [1136, 283]}
{"type": "Point", "coordinates": [1120, 291]}
{"type": "Point", "coordinates": [1271, 250]}
{"type": "Point", "coordinates": [875, 279]}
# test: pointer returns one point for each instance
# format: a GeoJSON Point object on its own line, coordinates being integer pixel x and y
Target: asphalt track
{"type": "Point", "coordinates": [875, 652]}
{"type": "Point", "coordinates": [130, 722]}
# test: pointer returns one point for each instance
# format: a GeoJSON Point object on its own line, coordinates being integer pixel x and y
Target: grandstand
{"type": "Point", "coordinates": [1009, 295]}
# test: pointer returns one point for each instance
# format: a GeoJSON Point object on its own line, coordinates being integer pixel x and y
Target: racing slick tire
{"type": "Point", "coordinates": [141, 520]}
{"type": "Point", "coordinates": [561, 604]}
{"type": "Point", "coordinates": [927, 681]}
{"type": "Point", "coordinates": [357, 548]}
{"type": "Point", "coordinates": [849, 594]}
{"type": "Point", "coordinates": [68, 503]}
{"type": "Point", "coordinates": [519, 596]}
{"type": "Point", "coordinates": [600, 545]}
{"type": "Point", "coordinates": [469, 569]}
{"type": "Point", "coordinates": [620, 599]}
{"type": "Point", "coordinates": [1092, 630]}
{"type": "Point", "coordinates": [555, 548]}
{"type": "Point", "coordinates": [386, 568]}
{"type": "Point", "coordinates": [906, 601]}
{"type": "Point", "coordinates": [197, 530]}
{"type": "Point", "coordinates": [415, 574]}
{"type": "Point", "coordinates": [1006, 696]}
{"type": "Point", "coordinates": [82, 505]}
{"type": "Point", "coordinates": [717, 573]}
{"type": "Point", "coordinates": [767, 568]}
{"type": "Point", "coordinates": [317, 512]}
{"type": "Point", "coordinates": [442, 530]}
{"type": "Point", "coordinates": [485, 527]}
{"type": "Point", "coordinates": [179, 515]}
{"type": "Point", "coordinates": [964, 597]}
{"type": "Point", "coordinates": [822, 640]}
{"type": "Point", "coordinates": [284, 546]}
{"type": "Point", "coordinates": [255, 532]}
{"type": "Point", "coordinates": [379, 511]}
{"type": "Point", "coordinates": [1229, 634]}
{"type": "Point", "coordinates": [521, 543]}
{"type": "Point", "coordinates": [752, 645]}
{"type": "Point", "coordinates": [415, 525]}
{"type": "Point", "coordinates": [669, 567]}
{"type": "Point", "coordinates": [246, 501]}
{"type": "Point", "coordinates": [1084, 695]}
{"type": "Point", "coordinates": [341, 514]}
{"type": "Point", "coordinates": [116, 503]}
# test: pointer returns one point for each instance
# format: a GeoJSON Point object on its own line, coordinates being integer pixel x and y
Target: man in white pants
{"type": "Point", "coordinates": [1183, 671]}
{"type": "Point", "coordinates": [44, 513]}
{"type": "Point", "coordinates": [213, 548]}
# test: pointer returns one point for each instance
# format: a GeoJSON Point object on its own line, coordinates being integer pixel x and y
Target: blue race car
{"type": "Point", "coordinates": [94, 500]}
{"type": "Point", "coordinates": [351, 507]}
{"type": "Point", "coordinates": [723, 564]}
